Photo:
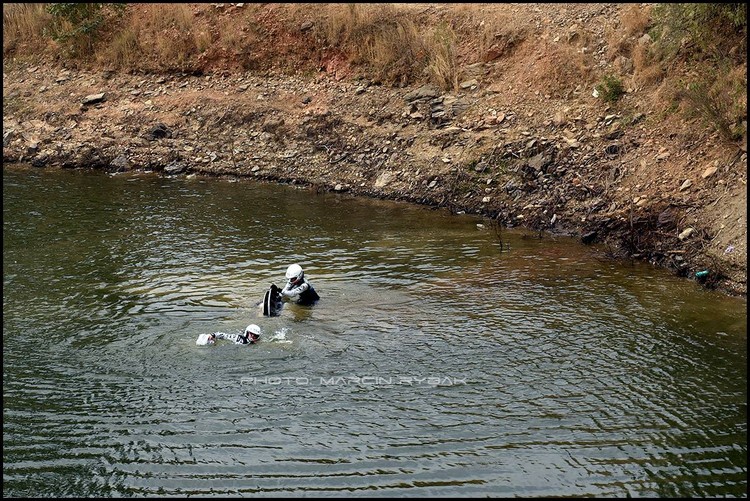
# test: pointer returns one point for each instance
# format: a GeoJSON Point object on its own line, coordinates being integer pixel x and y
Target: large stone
{"type": "Point", "coordinates": [383, 179]}
{"type": "Point", "coordinates": [159, 131]}
{"type": "Point", "coordinates": [589, 238]}
{"type": "Point", "coordinates": [426, 91]}
{"type": "Point", "coordinates": [175, 168]}
{"type": "Point", "coordinates": [93, 99]}
{"type": "Point", "coordinates": [120, 164]}
{"type": "Point", "coordinates": [709, 172]}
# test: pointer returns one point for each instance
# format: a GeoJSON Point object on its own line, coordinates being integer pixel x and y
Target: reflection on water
{"type": "Point", "coordinates": [434, 364]}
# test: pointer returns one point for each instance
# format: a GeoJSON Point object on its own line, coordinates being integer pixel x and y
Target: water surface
{"type": "Point", "coordinates": [436, 364]}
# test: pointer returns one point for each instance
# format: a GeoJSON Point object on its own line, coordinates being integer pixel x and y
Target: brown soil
{"type": "Point", "coordinates": [517, 146]}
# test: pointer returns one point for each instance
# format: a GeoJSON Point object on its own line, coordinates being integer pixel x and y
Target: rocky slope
{"type": "Point", "coordinates": [504, 144]}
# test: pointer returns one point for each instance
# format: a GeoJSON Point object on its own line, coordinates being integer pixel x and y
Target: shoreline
{"type": "Point", "coordinates": [418, 145]}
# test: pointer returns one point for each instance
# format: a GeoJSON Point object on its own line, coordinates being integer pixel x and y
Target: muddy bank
{"type": "Point", "coordinates": [598, 174]}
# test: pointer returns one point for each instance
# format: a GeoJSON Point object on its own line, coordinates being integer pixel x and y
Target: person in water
{"type": "Point", "coordinates": [297, 287]}
{"type": "Point", "coordinates": [251, 336]}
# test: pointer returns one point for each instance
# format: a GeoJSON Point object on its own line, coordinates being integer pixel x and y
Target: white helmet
{"type": "Point", "coordinates": [294, 272]}
{"type": "Point", "coordinates": [252, 329]}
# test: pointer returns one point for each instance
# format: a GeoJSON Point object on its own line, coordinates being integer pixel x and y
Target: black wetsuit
{"type": "Point", "coordinates": [305, 291]}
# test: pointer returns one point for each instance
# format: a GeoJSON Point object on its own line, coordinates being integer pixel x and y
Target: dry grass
{"type": "Point", "coordinates": [558, 68]}
{"type": "Point", "coordinates": [630, 53]}
{"type": "Point", "coordinates": [23, 23]}
{"type": "Point", "coordinates": [388, 43]}
{"type": "Point", "coordinates": [169, 37]}
{"type": "Point", "coordinates": [123, 51]}
{"type": "Point", "coordinates": [169, 16]}
{"type": "Point", "coordinates": [483, 35]}
{"type": "Point", "coordinates": [381, 39]}
{"type": "Point", "coordinates": [442, 67]}
{"type": "Point", "coordinates": [393, 43]}
{"type": "Point", "coordinates": [623, 38]}
{"type": "Point", "coordinates": [157, 37]}
{"type": "Point", "coordinates": [393, 51]}
{"type": "Point", "coordinates": [341, 24]}
{"type": "Point", "coordinates": [636, 19]}
{"type": "Point", "coordinates": [647, 69]}
{"type": "Point", "coordinates": [720, 101]}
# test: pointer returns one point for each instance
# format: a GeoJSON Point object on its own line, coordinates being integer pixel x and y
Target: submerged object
{"type": "Point", "coordinates": [272, 302]}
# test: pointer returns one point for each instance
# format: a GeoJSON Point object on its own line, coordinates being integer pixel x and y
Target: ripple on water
{"type": "Point", "coordinates": [434, 364]}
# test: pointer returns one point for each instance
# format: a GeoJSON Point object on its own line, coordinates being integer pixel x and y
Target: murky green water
{"type": "Point", "coordinates": [434, 365]}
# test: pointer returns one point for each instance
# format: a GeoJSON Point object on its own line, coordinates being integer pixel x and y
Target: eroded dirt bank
{"type": "Point", "coordinates": [650, 189]}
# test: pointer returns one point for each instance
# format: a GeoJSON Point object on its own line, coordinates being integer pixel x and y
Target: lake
{"type": "Point", "coordinates": [441, 360]}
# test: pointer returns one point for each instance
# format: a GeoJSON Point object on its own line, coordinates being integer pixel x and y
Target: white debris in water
{"type": "Point", "coordinates": [279, 336]}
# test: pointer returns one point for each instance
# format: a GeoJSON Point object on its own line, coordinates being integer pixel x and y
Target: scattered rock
{"type": "Point", "coordinates": [685, 233]}
{"type": "Point", "coordinates": [159, 131]}
{"type": "Point", "coordinates": [93, 99]}
{"type": "Point", "coordinates": [589, 237]}
{"type": "Point", "coordinates": [120, 164]}
{"type": "Point", "coordinates": [709, 172]}
{"type": "Point", "coordinates": [175, 168]}
{"type": "Point", "coordinates": [271, 125]}
{"type": "Point", "coordinates": [426, 91]}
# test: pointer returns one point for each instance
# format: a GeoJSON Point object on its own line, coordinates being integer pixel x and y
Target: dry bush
{"type": "Point", "coordinates": [382, 39]}
{"type": "Point", "coordinates": [562, 69]}
{"type": "Point", "coordinates": [343, 24]}
{"type": "Point", "coordinates": [442, 67]}
{"type": "Point", "coordinates": [484, 36]}
{"type": "Point", "coordinates": [634, 20]}
{"type": "Point", "coordinates": [647, 70]}
{"type": "Point", "coordinates": [719, 100]}
{"type": "Point", "coordinates": [123, 50]}
{"type": "Point", "coordinates": [392, 51]}
{"type": "Point", "coordinates": [156, 37]}
{"type": "Point", "coordinates": [23, 23]}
